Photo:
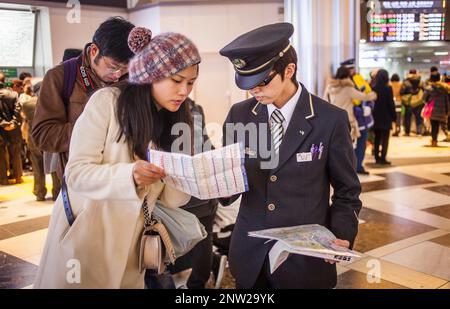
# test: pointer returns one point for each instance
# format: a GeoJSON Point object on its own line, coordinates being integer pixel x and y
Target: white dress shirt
{"type": "Point", "coordinates": [288, 109]}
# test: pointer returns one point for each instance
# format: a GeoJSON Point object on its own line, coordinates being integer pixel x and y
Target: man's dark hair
{"type": "Point", "coordinates": [342, 73]}
{"type": "Point", "coordinates": [434, 69]}
{"type": "Point", "coordinates": [24, 75]}
{"type": "Point", "coordinates": [289, 57]}
{"type": "Point", "coordinates": [395, 77]}
{"type": "Point", "coordinates": [111, 38]}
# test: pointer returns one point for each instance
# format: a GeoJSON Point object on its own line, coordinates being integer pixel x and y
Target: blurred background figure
{"type": "Point", "coordinates": [10, 137]}
{"type": "Point", "coordinates": [412, 101]}
{"type": "Point", "coordinates": [384, 115]}
{"type": "Point", "coordinates": [341, 92]}
{"type": "Point", "coordinates": [437, 98]}
{"type": "Point", "coordinates": [396, 85]}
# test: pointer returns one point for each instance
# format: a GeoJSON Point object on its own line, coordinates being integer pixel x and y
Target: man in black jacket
{"type": "Point", "coordinates": [10, 136]}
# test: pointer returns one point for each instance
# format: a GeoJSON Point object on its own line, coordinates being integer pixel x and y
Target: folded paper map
{"type": "Point", "coordinates": [311, 239]}
{"type": "Point", "coordinates": [207, 175]}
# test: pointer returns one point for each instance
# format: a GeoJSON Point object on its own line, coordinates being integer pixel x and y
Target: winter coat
{"type": "Point", "coordinates": [439, 93]}
{"type": "Point", "coordinates": [101, 248]}
{"type": "Point", "coordinates": [384, 111]}
{"type": "Point", "coordinates": [341, 93]}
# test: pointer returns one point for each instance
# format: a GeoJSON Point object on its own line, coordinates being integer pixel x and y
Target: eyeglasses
{"type": "Point", "coordinates": [114, 70]}
{"type": "Point", "coordinates": [267, 80]}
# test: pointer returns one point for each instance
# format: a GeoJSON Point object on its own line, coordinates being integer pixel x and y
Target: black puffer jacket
{"type": "Point", "coordinates": [9, 109]}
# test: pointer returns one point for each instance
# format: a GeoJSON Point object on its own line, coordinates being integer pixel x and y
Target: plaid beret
{"type": "Point", "coordinates": [165, 55]}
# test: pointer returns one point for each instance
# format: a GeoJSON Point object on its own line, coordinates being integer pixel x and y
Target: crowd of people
{"type": "Point", "coordinates": [382, 104]}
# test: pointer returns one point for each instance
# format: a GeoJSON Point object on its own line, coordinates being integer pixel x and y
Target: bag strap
{"type": "Point", "coordinates": [70, 76]}
{"type": "Point", "coordinates": [66, 202]}
{"type": "Point", "coordinates": [149, 221]}
{"type": "Point", "coordinates": [152, 224]}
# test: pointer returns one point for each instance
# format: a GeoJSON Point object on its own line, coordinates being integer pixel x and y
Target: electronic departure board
{"type": "Point", "coordinates": [408, 21]}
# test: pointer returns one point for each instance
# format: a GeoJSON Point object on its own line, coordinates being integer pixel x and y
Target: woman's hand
{"type": "Point", "coordinates": [145, 173]}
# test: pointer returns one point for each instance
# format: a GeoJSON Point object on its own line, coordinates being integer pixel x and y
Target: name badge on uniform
{"type": "Point", "coordinates": [304, 157]}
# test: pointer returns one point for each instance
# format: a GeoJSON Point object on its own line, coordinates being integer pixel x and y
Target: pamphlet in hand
{"type": "Point", "coordinates": [312, 240]}
{"type": "Point", "coordinates": [207, 175]}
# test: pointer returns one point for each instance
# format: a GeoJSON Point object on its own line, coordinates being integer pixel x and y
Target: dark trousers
{"type": "Point", "coordinates": [435, 129]}
{"type": "Point", "coordinates": [202, 257]}
{"type": "Point", "coordinates": [409, 111]}
{"type": "Point", "coordinates": [263, 281]}
{"type": "Point", "coordinates": [285, 277]}
{"type": "Point", "coordinates": [360, 150]}
{"type": "Point", "coordinates": [11, 142]}
{"type": "Point", "coordinates": [37, 162]}
{"type": "Point", "coordinates": [398, 123]}
{"type": "Point", "coordinates": [381, 140]}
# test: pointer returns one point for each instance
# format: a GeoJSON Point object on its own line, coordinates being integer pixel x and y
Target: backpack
{"type": "Point", "coordinates": [70, 77]}
{"type": "Point", "coordinates": [417, 99]}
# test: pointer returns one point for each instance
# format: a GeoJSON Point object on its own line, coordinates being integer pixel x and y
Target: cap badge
{"type": "Point", "coordinates": [239, 63]}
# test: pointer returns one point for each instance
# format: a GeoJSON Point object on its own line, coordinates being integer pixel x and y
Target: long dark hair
{"type": "Point", "coordinates": [141, 123]}
{"type": "Point", "coordinates": [381, 79]}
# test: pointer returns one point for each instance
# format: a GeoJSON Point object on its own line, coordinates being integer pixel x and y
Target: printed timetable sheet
{"type": "Point", "coordinates": [212, 174]}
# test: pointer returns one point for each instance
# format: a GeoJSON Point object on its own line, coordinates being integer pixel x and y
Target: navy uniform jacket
{"type": "Point", "coordinates": [298, 191]}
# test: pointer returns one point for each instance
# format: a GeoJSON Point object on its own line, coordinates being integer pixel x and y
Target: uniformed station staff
{"type": "Point", "coordinates": [311, 139]}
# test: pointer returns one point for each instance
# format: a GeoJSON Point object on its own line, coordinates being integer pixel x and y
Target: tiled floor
{"type": "Point", "coordinates": [15, 272]}
{"type": "Point", "coordinates": [380, 229]}
{"type": "Point", "coordinates": [404, 234]}
{"type": "Point", "coordinates": [427, 257]}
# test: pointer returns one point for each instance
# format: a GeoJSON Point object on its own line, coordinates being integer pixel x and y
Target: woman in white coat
{"type": "Point", "coordinates": [107, 174]}
{"type": "Point", "coordinates": [341, 92]}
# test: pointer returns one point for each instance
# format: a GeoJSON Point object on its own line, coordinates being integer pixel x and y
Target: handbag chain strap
{"type": "Point", "coordinates": [148, 219]}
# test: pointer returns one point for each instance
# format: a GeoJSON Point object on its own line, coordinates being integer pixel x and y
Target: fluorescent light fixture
{"type": "Point", "coordinates": [441, 53]}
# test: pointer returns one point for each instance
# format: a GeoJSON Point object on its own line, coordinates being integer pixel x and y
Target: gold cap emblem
{"type": "Point", "coordinates": [239, 63]}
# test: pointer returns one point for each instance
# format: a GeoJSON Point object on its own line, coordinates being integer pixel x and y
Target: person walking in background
{"type": "Point", "coordinates": [384, 114]}
{"type": "Point", "coordinates": [412, 100]}
{"type": "Point", "coordinates": [10, 137]}
{"type": "Point", "coordinates": [437, 98]}
{"type": "Point", "coordinates": [396, 85]}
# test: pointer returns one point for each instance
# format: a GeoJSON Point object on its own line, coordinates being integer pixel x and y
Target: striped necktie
{"type": "Point", "coordinates": [276, 127]}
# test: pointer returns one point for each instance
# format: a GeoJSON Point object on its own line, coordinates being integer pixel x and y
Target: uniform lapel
{"type": "Point", "coordinates": [298, 129]}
